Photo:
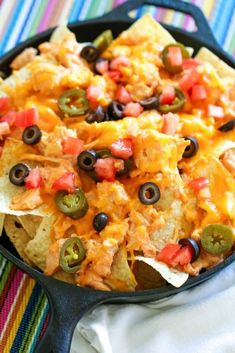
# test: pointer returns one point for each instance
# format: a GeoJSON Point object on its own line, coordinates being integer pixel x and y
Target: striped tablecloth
{"type": "Point", "coordinates": [24, 310]}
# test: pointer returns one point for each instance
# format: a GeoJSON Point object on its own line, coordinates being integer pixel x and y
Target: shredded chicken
{"type": "Point", "coordinates": [28, 200]}
{"type": "Point", "coordinates": [53, 257]}
{"type": "Point", "coordinates": [228, 160]}
{"type": "Point", "coordinates": [23, 58]}
{"type": "Point", "coordinates": [205, 261]}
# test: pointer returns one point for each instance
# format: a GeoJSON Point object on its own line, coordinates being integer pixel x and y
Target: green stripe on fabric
{"type": "Point", "coordinates": [5, 274]}
{"type": "Point", "coordinates": [93, 8]}
{"type": "Point", "coordinates": [39, 15]}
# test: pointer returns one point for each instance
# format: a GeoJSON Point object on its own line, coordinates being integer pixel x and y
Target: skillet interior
{"type": "Point", "coordinates": [82, 299]}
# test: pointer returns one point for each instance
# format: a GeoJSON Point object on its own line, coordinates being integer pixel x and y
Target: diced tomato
{"type": "Point", "coordinates": [198, 92]}
{"type": "Point", "coordinates": [168, 253]}
{"type": "Point", "coordinates": [168, 95]}
{"type": "Point", "coordinates": [105, 168]}
{"type": "Point", "coordinates": [183, 256]}
{"type": "Point", "coordinates": [93, 93]}
{"type": "Point", "coordinates": [115, 75]}
{"type": "Point", "coordinates": [102, 66]}
{"type": "Point", "coordinates": [119, 61]}
{"type": "Point", "coordinates": [27, 118]}
{"type": "Point", "coordinates": [170, 123]}
{"type": "Point", "coordinates": [189, 79]}
{"type": "Point", "coordinates": [4, 104]}
{"type": "Point", "coordinates": [123, 96]}
{"type": "Point", "coordinates": [175, 56]}
{"type": "Point", "coordinates": [9, 118]}
{"type": "Point", "coordinates": [199, 183]}
{"type": "Point", "coordinates": [215, 111]}
{"type": "Point", "coordinates": [122, 148]}
{"type": "Point", "coordinates": [4, 128]}
{"type": "Point", "coordinates": [34, 179]}
{"type": "Point", "coordinates": [190, 62]}
{"type": "Point", "coordinates": [133, 109]}
{"type": "Point", "coordinates": [73, 146]}
{"type": "Point", "coordinates": [65, 182]}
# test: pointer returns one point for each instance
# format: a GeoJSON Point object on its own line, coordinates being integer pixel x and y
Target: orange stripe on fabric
{"type": "Point", "coordinates": [17, 314]}
{"type": "Point", "coordinates": [53, 19]}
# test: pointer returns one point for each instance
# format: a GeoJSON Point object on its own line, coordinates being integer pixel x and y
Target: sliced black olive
{"type": "Point", "coordinates": [18, 173]}
{"type": "Point", "coordinates": [191, 149]}
{"type": "Point", "coordinates": [31, 135]}
{"type": "Point", "coordinates": [98, 116]}
{"type": "Point", "coordinates": [100, 221]}
{"type": "Point", "coordinates": [90, 53]}
{"type": "Point", "coordinates": [193, 244]}
{"type": "Point", "coordinates": [115, 110]}
{"type": "Point", "coordinates": [230, 125]}
{"type": "Point", "coordinates": [149, 193]}
{"type": "Point", "coordinates": [96, 65]}
{"type": "Point", "coordinates": [86, 160]}
{"type": "Point", "coordinates": [150, 103]}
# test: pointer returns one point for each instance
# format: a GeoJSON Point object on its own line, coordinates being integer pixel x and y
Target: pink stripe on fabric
{"type": "Point", "coordinates": [43, 24]}
{"type": "Point", "coordinates": [118, 2]}
{"type": "Point", "coordinates": [10, 298]}
{"type": "Point", "coordinates": [159, 14]}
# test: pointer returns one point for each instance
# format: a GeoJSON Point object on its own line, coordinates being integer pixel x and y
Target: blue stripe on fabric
{"type": "Point", "coordinates": [216, 14]}
{"type": "Point", "coordinates": [26, 318]}
{"type": "Point", "coordinates": [25, 21]}
{"type": "Point", "coordinates": [39, 329]}
{"type": "Point", "coordinates": [221, 26]}
{"type": "Point", "coordinates": [13, 20]}
{"type": "Point", "coordinates": [30, 18]}
{"type": "Point", "coordinates": [139, 12]}
{"type": "Point", "coordinates": [76, 10]}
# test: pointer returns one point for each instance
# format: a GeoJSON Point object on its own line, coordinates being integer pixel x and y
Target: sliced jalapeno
{"type": "Point", "coordinates": [177, 104]}
{"type": "Point", "coordinates": [71, 254]}
{"type": "Point", "coordinates": [173, 69]}
{"type": "Point", "coordinates": [73, 102]}
{"type": "Point", "coordinates": [217, 239]}
{"type": "Point", "coordinates": [72, 205]}
{"type": "Point", "coordinates": [103, 40]}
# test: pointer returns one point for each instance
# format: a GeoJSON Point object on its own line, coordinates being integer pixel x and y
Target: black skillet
{"type": "Point", "coordinates": [69, 303]}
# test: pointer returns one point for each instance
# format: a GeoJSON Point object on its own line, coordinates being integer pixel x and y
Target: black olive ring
{"type": "Point", "coordinates": [149, 193]}
{"type": "Point", "coordinates": [31, 135]}
{"type": "Point", "coordinates": [18, 173]}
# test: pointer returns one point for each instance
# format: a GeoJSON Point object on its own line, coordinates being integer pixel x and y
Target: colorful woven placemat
{"type": "Point", "coordinates": [24, 310]}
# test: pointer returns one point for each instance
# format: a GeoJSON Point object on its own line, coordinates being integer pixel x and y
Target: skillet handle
{"type": "Point", "coordinates": [120, 13]}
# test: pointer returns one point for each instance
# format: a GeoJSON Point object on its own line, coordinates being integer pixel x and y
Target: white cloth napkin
{"type": "Point", "coordinates": [199, 320]}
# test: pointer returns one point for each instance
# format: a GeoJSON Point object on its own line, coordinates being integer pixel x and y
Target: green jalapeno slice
{"type": "Point", "coordinates": [103, 40]}
{"type": "Point", "coordinates": [73, 205]}
{"type": "Point", "coordinates": [217, 239]}
{"type": "Point", "coordinates": [73, 102]}
{"type": "Point", "coordinates": [173, 69]}
{"type": "Point", "coordinates": [71, 254]}
{"type": "Point", "coordinates": [177, 104]}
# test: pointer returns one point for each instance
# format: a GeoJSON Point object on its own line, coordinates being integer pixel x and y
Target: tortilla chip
{"type": "Point", "coordinates": [223, 69]}
{"type": "Point", "coordinates": [171, 275]}
{"type": "Point", "coordinates": [30, 224]}
{"type": "Point", "coordinates": [2, 218]}
{"type": "Point", "coordinates": [59, 35]}
{"type": "Point", "coordinates": [17, 235]}
{"type": "Point", "coordinates": [121, 277]}
{"type": "Point", "coordinates": [37, 248]}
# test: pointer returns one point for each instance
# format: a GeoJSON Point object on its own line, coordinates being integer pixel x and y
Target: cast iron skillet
{"type": "Point", "coordinates": [69, 303]}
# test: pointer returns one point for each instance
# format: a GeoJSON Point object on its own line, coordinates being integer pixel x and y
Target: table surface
{"type": "Point", "coordinates": [24, 309]}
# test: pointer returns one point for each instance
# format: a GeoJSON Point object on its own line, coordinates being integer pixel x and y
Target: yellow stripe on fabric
{"type": "Point", "coordinates": [65, 13]}
{"type": "Point", "coordinates": [208, 6]}
{"type": "Point", "coordinates": [168, 18]}
{"type": "Point", "coordinates": [19, 315]}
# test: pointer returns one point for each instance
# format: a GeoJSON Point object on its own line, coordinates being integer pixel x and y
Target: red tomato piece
{"type": "Point", "coordinates": [115, 75]}
{"type": "Point", "coordinates": [105, 168]}
{"type": "Point", "coordinates": [65, 182]}
{"type": "Point", "coordinates": [168, 253]}
{"type": "Point", "coordinates": [34, 179]}
{"type": "Point", "coordinates": [73, 146]}
{"type": "Point", "coordinates": [27, 118]}
{"type": "Point", "coordinates": [102, 66]}
{"type": "Point", "coordinates": [175, 56]}
{"type": "Point", "coordinates": [4, 128]}
{"type": "Point", "coordinates": [190, 63]}
{"type": "Point", "coordinates": [183, 256]}
{"type": "Point", "coordinates": [123, 96]}
{"type": "Point", "coordinates": [198, 92]}
{"type": "Point", "coordinates": [9, 118]}
{"type": "Point", "coordinates": [93, 93]}
{"type": "Point", "coordinates": [189, 79]}
{"type": "Point", "coordinates": [215, 111]}
{"type": "Point", "coordinates": [170, 123]}
{"type": "Point", "coordinates": [119, 61]}
{"type": "Point", "coordinates": [199, 183]}
{"type": "Point", "coordinates": [122, 148]}
{"type": "Point", "coordinates": [168, 95]}
{"type": "Point", "coordinates": [133, 109]}
{"type": "Point", "coordinates": [4, 104]}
